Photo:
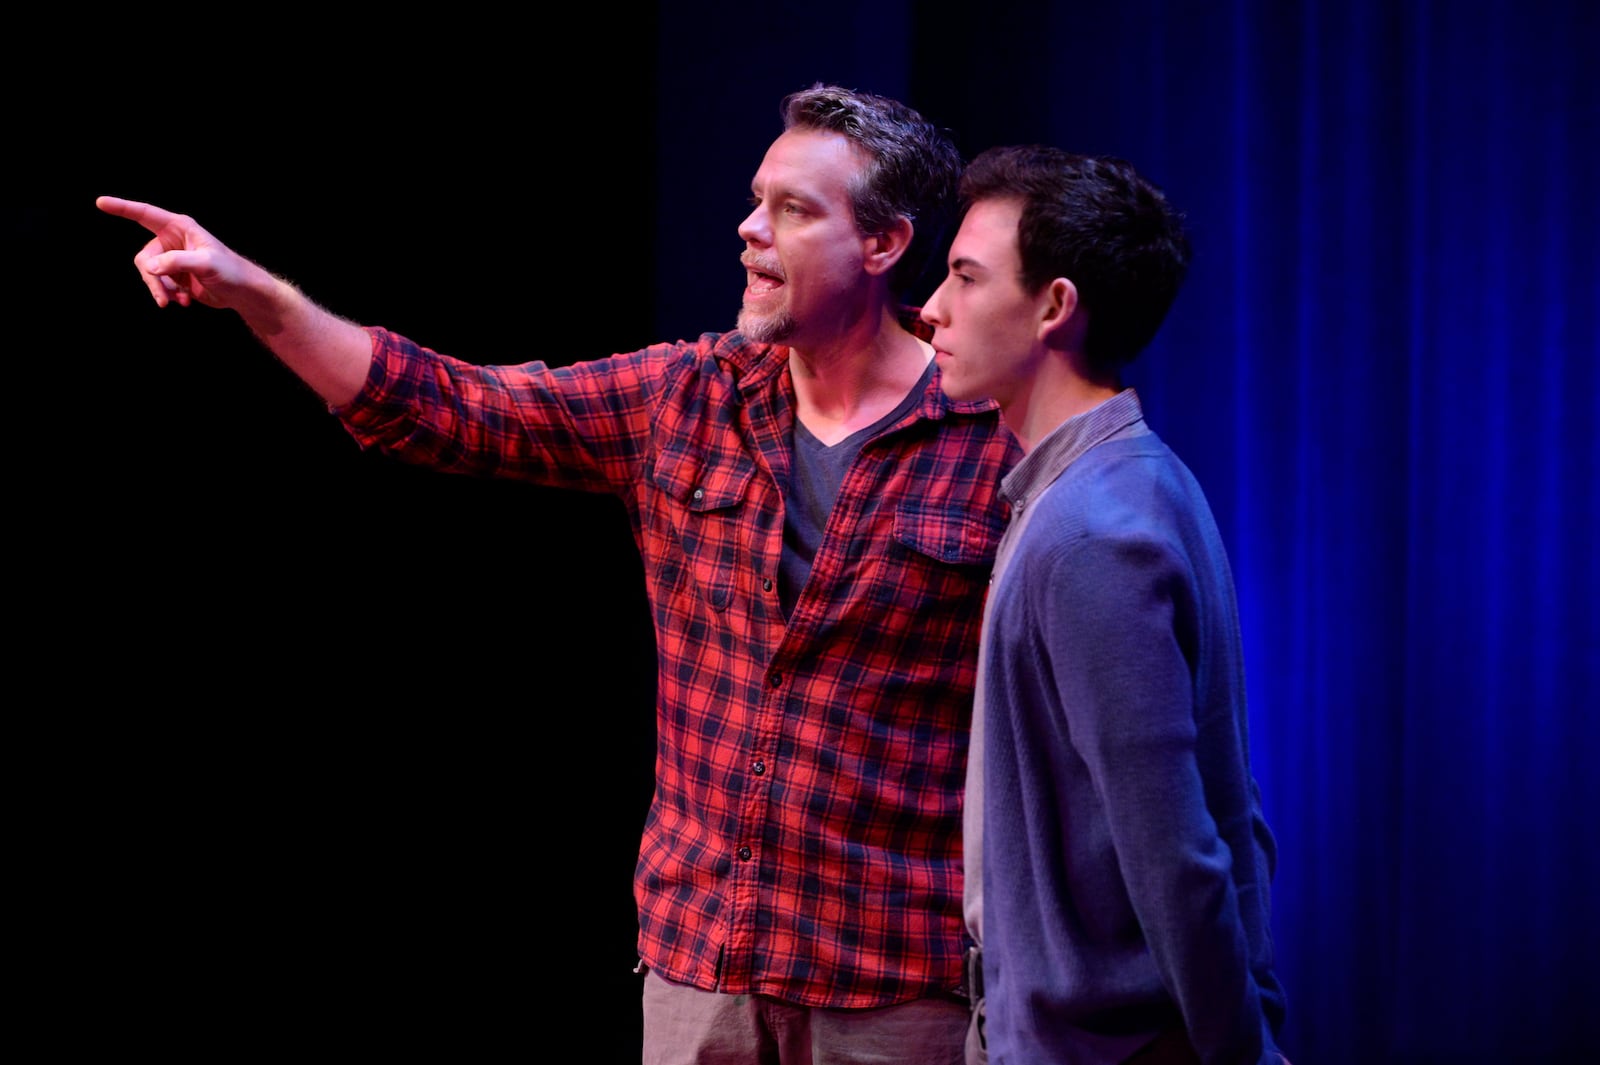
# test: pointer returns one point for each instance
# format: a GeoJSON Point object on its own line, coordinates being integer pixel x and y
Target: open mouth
{"type": "Point", "coordinates": [761, 276]}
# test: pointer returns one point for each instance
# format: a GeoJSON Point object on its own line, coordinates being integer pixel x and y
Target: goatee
{"type": "Point", "coordinates": [766, 329]}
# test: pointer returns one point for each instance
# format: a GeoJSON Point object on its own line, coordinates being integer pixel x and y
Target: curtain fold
{"type": "Point", "coordinates": [1382, 369]}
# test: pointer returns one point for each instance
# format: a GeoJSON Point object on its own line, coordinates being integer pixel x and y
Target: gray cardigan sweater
{"type": "Point", "coordinates": [1126, 861]}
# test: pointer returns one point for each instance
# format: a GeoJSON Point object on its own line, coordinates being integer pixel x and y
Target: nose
{"type": "Point", "coordinates": [756, 228]}
{"type": "Point", "coordinates": [933, 310]}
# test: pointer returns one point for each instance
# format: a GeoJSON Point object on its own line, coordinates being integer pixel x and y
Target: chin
{"type": "Point", "coordinates": [767, 329]}
{"type": "Point", "coordinates": [953, 388]}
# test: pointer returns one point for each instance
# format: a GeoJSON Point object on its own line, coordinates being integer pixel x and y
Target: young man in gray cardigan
{"type": "Point", "coordinates": [1118, 861]}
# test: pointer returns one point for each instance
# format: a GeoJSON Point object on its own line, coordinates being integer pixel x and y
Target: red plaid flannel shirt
{"type": "Point", "coordinates": [804, 839]}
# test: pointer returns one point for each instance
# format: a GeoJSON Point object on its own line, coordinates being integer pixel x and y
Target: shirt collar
{"type": "Point", "coordinates": [1064, 444]}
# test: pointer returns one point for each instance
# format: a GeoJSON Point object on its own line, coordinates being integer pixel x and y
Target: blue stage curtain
{"type": "Point", "coordinates": [1383, 371]}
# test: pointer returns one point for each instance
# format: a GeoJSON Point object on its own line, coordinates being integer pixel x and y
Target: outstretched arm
{"type": "Point", "coordinates": [184, 264]}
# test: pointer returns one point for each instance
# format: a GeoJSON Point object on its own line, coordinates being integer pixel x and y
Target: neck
{"type": "Point", "coordinates": [1059, 392]}
{"type": "Point", "coordinates": [856, 377]}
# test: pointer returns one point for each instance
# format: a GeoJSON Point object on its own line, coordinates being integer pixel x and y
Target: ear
{"type": "Point", "coordinates": [884, 249]}
{"type": "Point", "coordinates": [1059, 320]}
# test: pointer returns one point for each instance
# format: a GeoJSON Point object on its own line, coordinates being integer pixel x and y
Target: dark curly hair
{"type": "Point", "coordinates": [1096, 222]}
{"type": "Point", "coordinates": [915, 169]}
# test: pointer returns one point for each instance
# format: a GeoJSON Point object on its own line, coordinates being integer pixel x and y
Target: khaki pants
{"type": "Point", "coordinates": [686, 1026]}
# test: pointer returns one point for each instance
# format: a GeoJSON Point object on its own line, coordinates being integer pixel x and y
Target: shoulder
{"type": "Point", "coordinates": [711, 364]}
{"type": "Point", "coordinates": [1115, 486]}
{"type": "Point", "coordinates": [1129, 502]}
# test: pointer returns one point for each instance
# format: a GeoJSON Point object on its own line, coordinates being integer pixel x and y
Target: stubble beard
{"type": "Point", "coordinates": [767, 328]}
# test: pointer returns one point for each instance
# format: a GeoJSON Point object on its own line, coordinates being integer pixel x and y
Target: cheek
{"type": "Point", "coordinates": [842, 273]}
{"type": "Point", "coordinates": [985, 321]}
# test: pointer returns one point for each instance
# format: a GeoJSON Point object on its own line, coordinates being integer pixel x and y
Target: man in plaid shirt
{"type": "Point", "coordinates": [816, 522]}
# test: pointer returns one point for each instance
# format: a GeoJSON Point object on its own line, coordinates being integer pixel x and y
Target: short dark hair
{"type": "Point", "coordinates": [914, 171]}
{"type": "Point", "coordinates": [1096, 222]}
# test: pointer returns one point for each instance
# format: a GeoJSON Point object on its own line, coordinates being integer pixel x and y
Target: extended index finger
{"type": "Point", "coordinates": [148, 215]}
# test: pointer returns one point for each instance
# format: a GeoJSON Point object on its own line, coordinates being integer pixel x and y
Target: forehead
{"type": "Point", "coordinates": [988, 235]}
{"type": "Point", "coordinates": [818, 164]}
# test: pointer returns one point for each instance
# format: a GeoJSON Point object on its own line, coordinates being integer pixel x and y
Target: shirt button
{"type": "Point", "coordinates": [744, 854]}
{"type": "Point", "coordinates": [698, 494]}
{"type": "Point", "coordinates": [766, 584]}
{"type": "Point", "coordinates": [774, 679]}
{"type": "Point", "coordinates": [759, 768]}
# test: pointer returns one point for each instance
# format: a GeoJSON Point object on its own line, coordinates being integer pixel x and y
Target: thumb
{"type": "Point", "coordinates": [177, 262]}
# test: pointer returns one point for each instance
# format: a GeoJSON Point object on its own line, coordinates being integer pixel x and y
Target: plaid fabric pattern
{"type": "Point", "coordinates": [804, 839]}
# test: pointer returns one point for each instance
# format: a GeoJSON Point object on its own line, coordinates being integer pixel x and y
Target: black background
{"type": "Point", "coordinates": [332, 754]}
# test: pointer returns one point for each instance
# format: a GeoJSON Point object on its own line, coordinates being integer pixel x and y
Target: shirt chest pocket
{"type": "Point", "coordinates": [936, 559]}
{"type": "Point", "coordinates": [702, 520]}
{"type": "Point", "coordinates": [952, 535]}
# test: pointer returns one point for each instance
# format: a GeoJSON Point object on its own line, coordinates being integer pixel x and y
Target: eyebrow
{"type": "Point", "coordinates": [965, 263]}
{"type": "Point", "coordinates": [788, 194]}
